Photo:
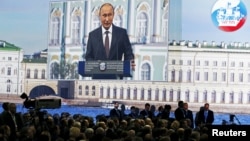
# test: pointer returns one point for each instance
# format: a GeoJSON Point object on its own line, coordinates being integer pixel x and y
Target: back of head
{"type": "Point", "coordinates": [5, 106]}
{"type": "Point", "coordinates": [147, 105]}
{"type": "Point", "coordinates": [180, 103]}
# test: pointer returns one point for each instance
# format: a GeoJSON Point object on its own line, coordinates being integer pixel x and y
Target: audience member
{"type": "Point", "coordinates": [133, 114]}
{"type": "Point", "coordinates": [130, 128]}
{"type": "Point", "coordinates": [146, 113]}
{"type": "Point", "coordinates": [14, 121]}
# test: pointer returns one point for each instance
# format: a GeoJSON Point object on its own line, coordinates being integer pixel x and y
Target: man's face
{"type": "Point", "coordinates": [206, 107]}
{"type": "Point", "coordinates": [116, 105]}
{"type": "Point", "coordinates": [185, 106]}
{"type": "Point", "coordinates": [106, 16]}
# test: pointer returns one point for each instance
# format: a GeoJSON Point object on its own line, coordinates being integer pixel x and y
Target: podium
{"type": "Point", "coordinates": [106, 69]}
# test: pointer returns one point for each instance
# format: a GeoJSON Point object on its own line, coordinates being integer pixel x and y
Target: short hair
{"type": "Point", "coordinates": [206, 104]}
{"type": "Point", "coordinates": [180, 103]}
{"type": "Point", "coordinates": [147, 104]}
{"type": "Point", "coordinates": [109, 4]}
{"type": "Point", "coordinates": [5, 106]}
{"type": "Point", "coordinates": [132, 107]}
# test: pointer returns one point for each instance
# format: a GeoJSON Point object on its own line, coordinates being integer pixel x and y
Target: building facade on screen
{"type": "Point", "coordinates": [199, 72]}
{"type": "Point", "coordinates": [70, 22]}
{"type": "Point", "coordinates": [11, 74]}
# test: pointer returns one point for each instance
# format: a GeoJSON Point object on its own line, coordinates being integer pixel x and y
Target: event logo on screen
{"type": "Point", "coordinates": [229, 15]}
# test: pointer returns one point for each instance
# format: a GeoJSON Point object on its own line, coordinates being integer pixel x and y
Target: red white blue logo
{"type": "Point", "coordinates": [229, 15]}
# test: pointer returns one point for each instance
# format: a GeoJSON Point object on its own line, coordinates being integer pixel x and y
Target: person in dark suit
{"type": "Point", "coordinates": [146, 113]}
{"type": "Point", "coordinates": [118, 46]}
{"type": "Point", "coordinates": [14, 121]}
{"type": "Point", "coordinates": [5, 111]}
{"type": "Point", "coordinates": [188, 115]}
{"type": "Point", "coordinates": [133, 114]}
{"type": "Point", "coordinates": [116, 112]}
{"type": "Point", "coordinates": [206, 116]}
{"type": "Point", "coordinates": [179, 112]}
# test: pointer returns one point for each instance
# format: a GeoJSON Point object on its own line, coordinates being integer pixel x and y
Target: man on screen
{"type": "Point", "coordinates": [113, 47]}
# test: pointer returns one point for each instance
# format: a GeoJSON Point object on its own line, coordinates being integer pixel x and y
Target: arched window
{"type": "Point", "coordinates": [55, 31]}
{"type": "Point", "coordinates": [142, 93]}
{"type": "Point", "coordinates": [121, 93]}
{"type": "Point", "coordinates": [128, 93]}
{"type": "Point", "coordinates": [189, 75]}
{"type": "Point", "coordinates": [178, 94]}
{"type": "Point", "coordinates": [173, 75]}
{"type": "Point", "coordinates": [28, 73]}
{"type": "Point", "coordinates": [114, 92]}
{"type": "Point", "coordinates": [213, 96]}
{"type": "Point", "coordinates": [180, 75]}
{"type": "Point", "coordinates": [76, 29]}
{"type": "Point", "coordinates": [145, 72]}
{"type": "Point", "coordinates": [142, 27]}
{"type": "Point", "coordinates": [149, 94]}
{"type": "Point", "coordinates": [205, 96]}
{"type": "Point", "coordinates": [8, 85]}
{"type": "Point", "coordinates": [35, 74]}
{"type": "Point", "coordinates": [240, 97]}
{"type": "Point", "coordinates": [135, 94]}
{"type": "Point", "coordinates": [3, 71]}
{"type": "Point", "coordinates": [93, 90]}
{"type": "Point", "coordinates": [248, 97]}
{"type": "Point", "coordinates": [166, 73]}
{"type": "Point", "coordinates": [9, 71]}
{"type": "Point", "coordinates": [43, 74]}
{"type": "Point", "coordinates": [187, 95]}
{"type": "Point", "coordinates": [222, 97]}
{"type": "Point", "coordinates": [171, 95]}
{"type": "Point", "coordinates": [86, 90]}
{"type": "Point", "coordinates": [80, 89]}
{"type": "Point", "coordinates": [108, 92]}
{"type": "Point", "coordinates": [101, 92]}
{"type": "Point", "coordinates": [164, 94]}
{"type": "Point", "coordinates": [231, 97]}
{"type": "Point", "coordinates": [196, 96]}
{"type": "Point", "coordinates": [157, 94]}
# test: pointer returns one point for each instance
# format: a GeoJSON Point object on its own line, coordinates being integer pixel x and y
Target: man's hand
{"type": "Point", "coordinates": [133, 65]}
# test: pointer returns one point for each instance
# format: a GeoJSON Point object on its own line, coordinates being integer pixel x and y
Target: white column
{"type": "Point", "coordinates": [87, 21]}
{"type": "Point", "coordinates": [156, 20]}
{"type": "Point", "coordinates": [131, 19]}
{"type": "Point", "coordinates": [67, 21]}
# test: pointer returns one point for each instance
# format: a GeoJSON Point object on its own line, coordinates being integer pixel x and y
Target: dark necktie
{"type": "Point", "coordinates": [107, 43]}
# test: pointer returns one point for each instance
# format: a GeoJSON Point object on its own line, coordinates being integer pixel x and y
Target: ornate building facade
{"type": "Point", "coordinates": [70, 22]}
{"type": "Point", "coordinates": [11, 73]}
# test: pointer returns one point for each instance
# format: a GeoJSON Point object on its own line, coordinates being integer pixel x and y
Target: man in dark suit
{"type": "Point", "coordinates": [109, 42]}
{"type": "Point", "coordinates": [116, 112]}
{"type": "Point", "coordinates": [14, 121]}
{"type": "Point", "coordinates": [188, 115]}
{"type": "Point", "coordinates": [179, 112]}
{"type": "Point", "coordinates": [146, 113]}
{"type": "Point", "coordinates": [206, 116]}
